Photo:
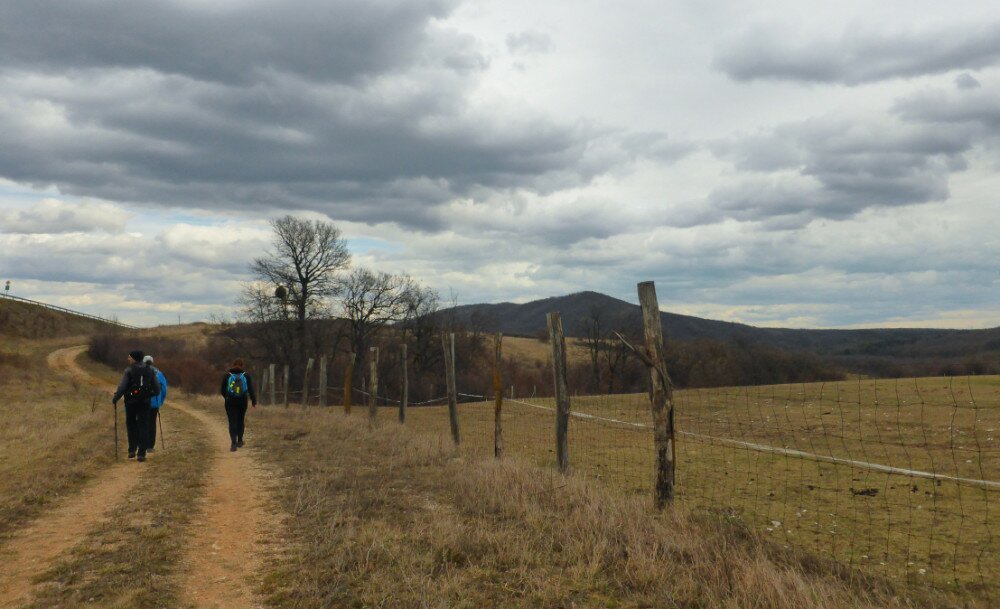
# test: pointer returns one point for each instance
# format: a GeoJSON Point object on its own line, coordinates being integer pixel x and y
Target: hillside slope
{"type": "Point", "coordinates": [529, 319]}
{"type": "Point", "coordinates": [25, 320]}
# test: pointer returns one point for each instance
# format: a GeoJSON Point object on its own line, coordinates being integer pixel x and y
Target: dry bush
{"type": "Point", "coordinates": [196, 367]}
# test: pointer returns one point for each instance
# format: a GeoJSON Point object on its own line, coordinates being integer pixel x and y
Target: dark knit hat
{"type": "Point", "coordinates": [137, 355]}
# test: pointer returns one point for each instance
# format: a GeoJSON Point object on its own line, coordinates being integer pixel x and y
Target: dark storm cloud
{"type": "Point", "coordinates": [967, 81]}
{"type": "Point", "coordinates": [858, 55]}
{"type": "Point", "coordinates": [359, 110]}
{"type": "Point", "coordinates": [228, 42]}
{"type": "Point", "coordinates": [835, 168]}
{"type": "Point", "coordinates": [974, 108]}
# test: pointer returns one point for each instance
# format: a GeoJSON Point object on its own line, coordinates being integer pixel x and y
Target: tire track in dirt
{"type": "Point", "coordinates": [35, 548]}
{"type": "Point", "coordinates": [225, 551]}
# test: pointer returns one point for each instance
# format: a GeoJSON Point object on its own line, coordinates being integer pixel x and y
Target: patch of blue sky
{"type": "Point", "coordinates": [364, 245]}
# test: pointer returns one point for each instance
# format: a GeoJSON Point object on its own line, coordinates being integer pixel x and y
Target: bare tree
{"type": "Point", "coordinates": [422, 330]}
{"type": "Point", "coordinates": [373, 300]}
{"type": "Point", "coordinates": [595, 341]}
{"type": "Point", "coordinates": [306, 261]}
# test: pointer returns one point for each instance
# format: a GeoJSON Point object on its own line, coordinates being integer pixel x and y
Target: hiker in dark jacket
{"type": "Point", "coordinates": [237, 388]}
{"type": "Point", "coordinates": [138, 386]}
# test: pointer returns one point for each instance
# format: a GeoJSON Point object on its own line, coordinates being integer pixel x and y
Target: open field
{"type": "Point", "coordinates": [789, 462]}
{"type": "Point", "coordinates": [524, 349]}
{"type": "Point", "coordinates": [396, 517]}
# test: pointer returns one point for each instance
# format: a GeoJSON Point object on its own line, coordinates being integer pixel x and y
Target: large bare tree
{"type": "Point", "coordinates": [305, 261]}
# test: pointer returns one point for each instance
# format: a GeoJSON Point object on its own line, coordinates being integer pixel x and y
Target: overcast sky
{"type": "Point", "coordinates": [791, 164]}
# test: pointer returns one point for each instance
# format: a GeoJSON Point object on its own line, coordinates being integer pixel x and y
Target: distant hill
{"type": "Point", "coordinates": [855, 349]}
{"type": "Point", "coordinates": [21, 319]}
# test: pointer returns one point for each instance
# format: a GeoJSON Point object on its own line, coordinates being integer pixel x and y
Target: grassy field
{"type": "Point", "coordinates": [525, 349]}
{"type": "Point", "coordinates": [903, 527]}
{"type": "Point", "coordinates": [397, 517]}
{"type": "Point", "coordinates": [54, 435]}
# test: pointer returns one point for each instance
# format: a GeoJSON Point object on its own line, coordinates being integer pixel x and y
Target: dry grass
{"type": "Point", "coordinates": [25, 320]}
{"type": "Point", "coordinates": [900, 527]}
{"type": "Point", "coordinates": [54, 434]}
{"type": "Point", "coordinates": [131, 560]}
{"type": "Point", "coordinates": [394, 518]}
{"type": "Point", "coordinates": [524, 350]}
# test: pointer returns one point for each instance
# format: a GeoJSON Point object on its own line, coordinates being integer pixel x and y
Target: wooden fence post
{"type": "Point", "coordinates": [661, 397]}
{"type": "Point", "coordinates": [348, 381]}
{"type": "Point", "coordinates": [270, 383]}
{"type": "Point", "coordinates": [262, 385]}
{"type": "Point", "coordinates": [558, 342]}
{"type": "Point", "coordinates": [305, 382]}
{"type": "Point", "coordinates": [448, 344]}
{"type": "Point", "coordinates": [373, 394]}
{"type": "Point", "coordinates": [405, 398]}
{"type": "Point", "coordinates": [322, 381]}
{"type": "Point", "coordinates": [287, 380]}
{"type": "Point", "coordinates": [497, 396]}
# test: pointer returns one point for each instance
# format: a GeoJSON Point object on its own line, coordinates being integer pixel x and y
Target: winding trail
{"type": "Point", "coordinates": [227, 533]}
{"type": "Point", "coordinates": [33, 549]}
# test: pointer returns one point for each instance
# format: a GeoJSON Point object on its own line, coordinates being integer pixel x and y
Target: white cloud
{"type": "Point", "coordinates": [53, 216]}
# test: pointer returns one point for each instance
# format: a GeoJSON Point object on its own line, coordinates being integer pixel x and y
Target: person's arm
{"type": "Point", "coordinates": [250, 391]}
{"type": "Point", "coordinates": [222, 390]}
{"type": "Point", "coordinates": [122, 388]}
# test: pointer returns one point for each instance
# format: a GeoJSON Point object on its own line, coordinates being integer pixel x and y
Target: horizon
{"type": "Point", "coordinates": [776, 165]}
{"type": "Point", "coordinates": [115, 318]}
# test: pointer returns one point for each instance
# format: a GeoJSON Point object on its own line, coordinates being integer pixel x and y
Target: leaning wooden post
{"type": "Point", "coordinates": [305, 382]}
{"type": "Point", "coordinates": [286, 379]}
{"type": "Point", "coordinates": [405, 398]}
{"type": "Point", "coordinates": [558, 342]}
{"type": "Point", "coordinates": [322, 381]}
{"type": "Point", "coordinates": [448, 344]}
{"type": "Point", "coordinates": [497, 396]}
{"type": "Point", "coordinates": [270, 383]}
{"type": "Point", "coordinates": [348, 381]}
{"type": "Point", "coordinates": [661, 397]}
{"type": "Point", "coordinates": [373, 395]}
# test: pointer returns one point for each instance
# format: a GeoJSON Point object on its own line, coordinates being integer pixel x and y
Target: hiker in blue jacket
{"type": "Point", "coordinates": [155, 402]}
{"type": "Point", "coordinates": [237, 388]}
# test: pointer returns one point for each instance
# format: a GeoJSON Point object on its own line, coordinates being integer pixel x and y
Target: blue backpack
{"type": "Point", "coordinates": [237, 385]}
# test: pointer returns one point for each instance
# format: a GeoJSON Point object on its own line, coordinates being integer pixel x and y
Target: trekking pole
{"type": "Point", "coordinates": [115, 407]}
{"type": "Point", "coordinates": [163, 440]}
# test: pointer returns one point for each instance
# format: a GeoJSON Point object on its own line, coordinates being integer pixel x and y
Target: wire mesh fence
{"type": "Point", "coordinates": [896, 479]}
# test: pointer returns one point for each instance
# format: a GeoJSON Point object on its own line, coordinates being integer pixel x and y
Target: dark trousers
{"type": "Point", "coordinates": [154, 413]}
{"type": "Point", "coordinates": [137, 426]}
{"type": "Point", "coordinates": [236, 412]}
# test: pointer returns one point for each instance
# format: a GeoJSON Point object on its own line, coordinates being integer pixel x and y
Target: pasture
{"type": "Point", "coordinates": [896, 479]}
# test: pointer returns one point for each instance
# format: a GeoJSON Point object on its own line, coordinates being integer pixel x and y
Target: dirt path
{"type": "Point", "coordinates": [227, 535]}
{"type": "Point", "coordinates": [226, 540]}
{"type": "Point", "coordinates": [33, 549]}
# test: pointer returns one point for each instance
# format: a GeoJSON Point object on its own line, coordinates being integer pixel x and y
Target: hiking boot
{"type": "Point", "coordinates": [131, 455]}
{"type": "Point", "coordinates": [239, 443]}
{"type": "Point", "coordinates": [232, 447]}
{"type": "Point", "coordinates": [140, 458]}
{"type": "Point", "coordinates": [151, 450]}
